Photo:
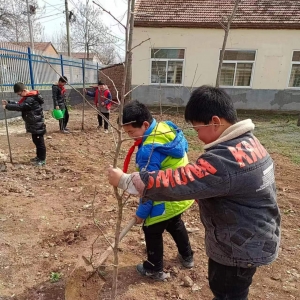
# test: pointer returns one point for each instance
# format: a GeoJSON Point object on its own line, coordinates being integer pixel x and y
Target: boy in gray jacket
{"type": "Point", "coordinates": [235, 186]}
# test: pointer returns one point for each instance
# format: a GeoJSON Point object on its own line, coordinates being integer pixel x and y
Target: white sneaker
{"type": "Point", "coordinates": [105, 131]}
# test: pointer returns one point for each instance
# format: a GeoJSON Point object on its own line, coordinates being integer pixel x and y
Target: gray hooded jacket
{"type": "Point", "coordinates": [235, 187]}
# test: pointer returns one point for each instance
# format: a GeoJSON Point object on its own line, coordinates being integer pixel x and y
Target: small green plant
{"type": "Point", "coordinates": [55, 276]}
{"type": "Point", "coordinates": [288, 211]}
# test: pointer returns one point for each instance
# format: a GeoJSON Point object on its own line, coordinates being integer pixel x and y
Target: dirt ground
{"type": "Point", "coordinates": [47, 223]}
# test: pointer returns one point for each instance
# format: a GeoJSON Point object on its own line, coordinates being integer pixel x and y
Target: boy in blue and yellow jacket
{"type": "Point", "coordinates": [160, 146]}
{"type": "Point", "coordinates": [234, 183]}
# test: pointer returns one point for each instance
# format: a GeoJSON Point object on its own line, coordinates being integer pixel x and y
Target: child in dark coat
{"type": "Point", "coordinates": [32, 113]}
{"type": "Point", "coordinates": [59, 102]}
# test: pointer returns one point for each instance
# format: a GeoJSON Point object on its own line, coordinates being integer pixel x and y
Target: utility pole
{"type": "Point", "coordinates": [30, 27]}
{"type": "Point", "coordinates": [68, 27]}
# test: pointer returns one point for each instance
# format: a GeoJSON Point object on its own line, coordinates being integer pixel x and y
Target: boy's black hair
{"type": "Point", "coordinates": [206, 102]}
{"type": "Point", "coordinates": [100, 82]}
{"type": "Point", "coordinates": [63, 79]}
{"type": "Point", "coordinates": [19, 87]}
{"type": "Point", "coordinates": [137, 113]}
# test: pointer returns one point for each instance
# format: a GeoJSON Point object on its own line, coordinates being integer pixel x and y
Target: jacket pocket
{"type": "Point", "coordinates": [245, 273]}
{"type": "Point", "coordinates": [158, 210]}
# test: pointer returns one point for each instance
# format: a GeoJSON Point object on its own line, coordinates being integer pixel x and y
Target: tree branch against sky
{"type": "Point", "coordinates": [99, 39]}
{"type": "Point", "coordinates": [14, 22]}
{"type": "Point", "coordinates": [59, 40]}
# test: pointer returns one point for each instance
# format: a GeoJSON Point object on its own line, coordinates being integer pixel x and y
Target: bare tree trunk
{"type": "Point", "coordinates": [129, 68]}
{"type": "Point", "coordinates": [86, 51]}
{"type": "Point", "coordinates": [129, 29]}
{"type": "Point", "coordinates": [298, 123]}
{"type": "Point", "coordinates": [227, 29]}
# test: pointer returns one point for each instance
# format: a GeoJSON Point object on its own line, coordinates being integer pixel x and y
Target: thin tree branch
{"type": "Point", "coordinates": [110, 14]}
{"type": "Point", "coordinates": [230, 19]}
{"type": "Point", "coordinates": [178, 129]}
{"type": "Point", "coordinates": [222, 25]}
{"type": "Point", "coordinates": [194, 78]}
{"type": "Point", "coordinates": [158, 74]}
{"type": "Point", "coordinates": [132, 91]}
{"type": "Point", "coordinates": [139, 44]}
{"type": "Point", "coordinates": [129, 29]}
{"type": "Point", "coordinates": [113, 85]}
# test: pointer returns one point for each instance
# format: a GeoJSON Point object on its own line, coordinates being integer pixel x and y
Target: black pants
{"type": "Point", "coordinates": [154, 241]}
{"type": "Point", "coordinates": [64, 121]}
{"type": "Point", "coordinates": [38, 140]}
{"type": "Point", "coordinates": [229, 283]}
{"type": "Point", "coordinates": [106, 115]}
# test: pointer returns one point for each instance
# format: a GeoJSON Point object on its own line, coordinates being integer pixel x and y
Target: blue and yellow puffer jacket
{"type": "Point", "coordinates": [164, 146]}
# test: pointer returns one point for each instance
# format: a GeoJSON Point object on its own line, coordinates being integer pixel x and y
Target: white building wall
{"type": "Point", "coordinates": [273, 58]}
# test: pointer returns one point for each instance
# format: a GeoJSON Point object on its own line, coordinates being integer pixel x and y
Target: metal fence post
{"type": "Point", "coordinates": [83, 71]}
{"type": "Point", "coordinates": [62, 65]}
{"type": "Point", "coordinates": [30, 68]}
{"type": "Point", "coordinates": [97, 72]}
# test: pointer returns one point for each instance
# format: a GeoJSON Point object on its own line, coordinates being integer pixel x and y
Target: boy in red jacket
{"type": "Point", "coordinates": [103, 102]}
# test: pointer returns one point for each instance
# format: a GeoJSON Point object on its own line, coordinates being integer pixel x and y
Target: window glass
{"type": "Point", "coordinates": [167, 53]}
{"type": "Point", "coordinates": [158, 72]}
{"type": "Point", "coordinates": [295, 76]}
{"type": "Point", "coordinates": [167, 66]}
{"type": "Point", "coordinates": [235, 70]}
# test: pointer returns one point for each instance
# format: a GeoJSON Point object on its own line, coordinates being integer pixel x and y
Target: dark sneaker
{"type": "Point", "coordinates": [160, 276]}
{"type": "Point", "coordinates": [187, 262]}
{"type": "Point", "coordinates": [40, 163]}
{"type": "Point", "coordinates": [99, 127]}
{"type": "Point", "coordinates": [65, 131]}
{"type": "Point", "coordinates": [34, 160]}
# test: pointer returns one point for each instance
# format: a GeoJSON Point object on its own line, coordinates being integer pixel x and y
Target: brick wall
{"type": "Point", "coordinates": [115, 73]}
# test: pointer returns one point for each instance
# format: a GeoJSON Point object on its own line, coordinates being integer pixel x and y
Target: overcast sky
{"type": "Point", "coordinates": [54, 18]}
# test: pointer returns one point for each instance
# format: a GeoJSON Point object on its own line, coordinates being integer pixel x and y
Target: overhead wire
{"type": "Point", "coordinates": [47, 16]}
{"type": "Point", "coordinates": [51, 20]}
{"type": "Point", "coordinates": [94, 24]}
{"type": "Point", "coordinates": [51, 5]}
{"type": "Point", "coordinates": [50, 10]}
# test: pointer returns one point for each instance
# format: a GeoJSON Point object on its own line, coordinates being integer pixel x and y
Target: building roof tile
{"type": "Point", "coordinates": [264, 14]}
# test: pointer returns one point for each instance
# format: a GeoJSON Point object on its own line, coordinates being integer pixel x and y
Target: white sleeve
{"type": "Point", "coordinates": [126, 183]}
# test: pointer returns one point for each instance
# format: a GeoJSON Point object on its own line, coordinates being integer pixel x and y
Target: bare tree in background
{"type": "Point", "coordinates": [14, 22]}
{"type": "Point", "coordinates": [226, 28]}
{"type": "Point", "coordinates": [5, 19]}
{"type": "Point", "coordinates": [98, 38]}
{"type": "Point", "coordinates": [59, 40]}
{"type": "Point", "coordinates": [107, 54]}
